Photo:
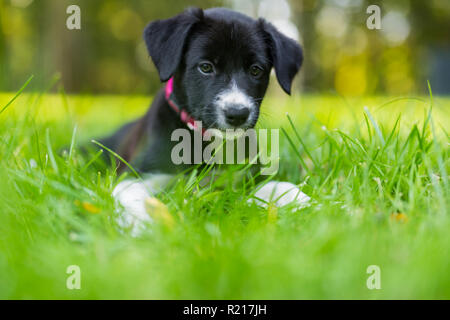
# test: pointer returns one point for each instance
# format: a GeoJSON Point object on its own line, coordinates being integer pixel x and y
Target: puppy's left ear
{"type": "Point", "coordinates": [286, 54]}
{"type": "Point", "coordinates": [166, 39]}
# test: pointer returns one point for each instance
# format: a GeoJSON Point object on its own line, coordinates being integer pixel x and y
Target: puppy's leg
{"type": "Point", "coordinates": [281, 193]}
{"type": "Point", "coordinates": [131, 195]}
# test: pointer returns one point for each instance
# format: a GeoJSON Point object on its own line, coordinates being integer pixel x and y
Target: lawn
{"type": "Point", "coordinates": [376, 169]}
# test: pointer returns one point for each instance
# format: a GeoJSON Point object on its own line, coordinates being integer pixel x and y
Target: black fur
{"type": "Point", "coordinates": [286, 55]}
{"type": "Point", "coordinates": [233, 43]}
{"type": "Point", "coordinates": [166, 39]}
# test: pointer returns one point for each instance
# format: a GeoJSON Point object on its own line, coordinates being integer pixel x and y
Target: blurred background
{"type": "Point", "coordinates": [342, 56]}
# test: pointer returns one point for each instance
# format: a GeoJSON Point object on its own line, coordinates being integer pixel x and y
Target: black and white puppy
{"type": "Point", "coordinates": [217, 65]}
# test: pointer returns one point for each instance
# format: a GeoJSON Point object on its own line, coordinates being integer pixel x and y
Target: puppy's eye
{"type": "Point", "coordinates": [256, 71]}
{"type": "Point", "coordinates": [206, 68]}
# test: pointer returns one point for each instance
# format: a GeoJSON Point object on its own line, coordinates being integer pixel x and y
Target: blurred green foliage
{"type": "Point", "coordinates": [380, 197]}
{"type": "Point", "coordinates": [341, 54]}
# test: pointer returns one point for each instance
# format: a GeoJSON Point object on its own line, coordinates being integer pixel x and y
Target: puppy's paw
{"type": "Point", "coordinates": [131, 196]}
{"type": "Point", "coordinates": [132, 214]}
{"type": "Point", "coordinates": [281, 194]}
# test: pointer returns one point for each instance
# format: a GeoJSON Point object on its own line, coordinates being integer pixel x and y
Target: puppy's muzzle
{"type": "Point", "coordinates": [236, 115]}
{"type": "Point", "coordinates": [235, 107]}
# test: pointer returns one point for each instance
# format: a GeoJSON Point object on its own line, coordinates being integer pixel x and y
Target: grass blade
{"type": "Point", "coordinates": [118, 157]}
{"type": "Point", "coordinates": [375, 125]}
{"type": "Point", "coordinates": [301, 141]}
{"type": "Point", "coordinates": [17, 94]}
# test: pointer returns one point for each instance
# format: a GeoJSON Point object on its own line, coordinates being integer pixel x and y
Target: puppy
{"type": "Point", "coordinates": [216, 64]}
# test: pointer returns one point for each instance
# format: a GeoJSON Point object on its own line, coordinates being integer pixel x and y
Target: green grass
{"type": "Point", "coordinates": [378, 178]}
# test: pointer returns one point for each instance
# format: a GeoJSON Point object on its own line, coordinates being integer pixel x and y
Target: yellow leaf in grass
{"type": "Point", "coordinates": [159, 211]}
{"type": "Point", "coordinates": [89, 207]}
{"type": "Point", "coordinates": [272, 213]}
{"type": "Point", "coordinates": [399, 217]}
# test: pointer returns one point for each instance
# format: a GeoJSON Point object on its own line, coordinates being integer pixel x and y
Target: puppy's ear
{"type": "Point", "coordinates": [286, 54]}
{"type": "Point", "coordinates": [165, 40]}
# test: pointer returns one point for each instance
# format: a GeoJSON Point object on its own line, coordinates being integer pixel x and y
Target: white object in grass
{"type": "Point", "coordinates": [131, 195]}
{"type": "Point", "coordinates": [280, 193]}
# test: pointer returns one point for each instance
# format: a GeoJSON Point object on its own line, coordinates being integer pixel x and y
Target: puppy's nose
{"type": "Point", "coordinates": [236, 115]}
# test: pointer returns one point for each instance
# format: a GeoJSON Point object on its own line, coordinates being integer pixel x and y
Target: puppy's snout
{"type": "Point", "coordinates": [236, 115]}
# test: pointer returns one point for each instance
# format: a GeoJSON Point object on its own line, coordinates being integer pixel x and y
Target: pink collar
{"type": "Point", "coordinates": [184, 115]}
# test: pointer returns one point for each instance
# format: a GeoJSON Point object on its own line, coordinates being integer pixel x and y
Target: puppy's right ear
{"type": "Point", "coordinates": [287, 55]}
{"type": "Point", "coordinates": [165, 40]}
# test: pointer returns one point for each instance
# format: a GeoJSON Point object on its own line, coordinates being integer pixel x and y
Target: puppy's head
{"type": "Point", "coordinates": [221, 62]}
